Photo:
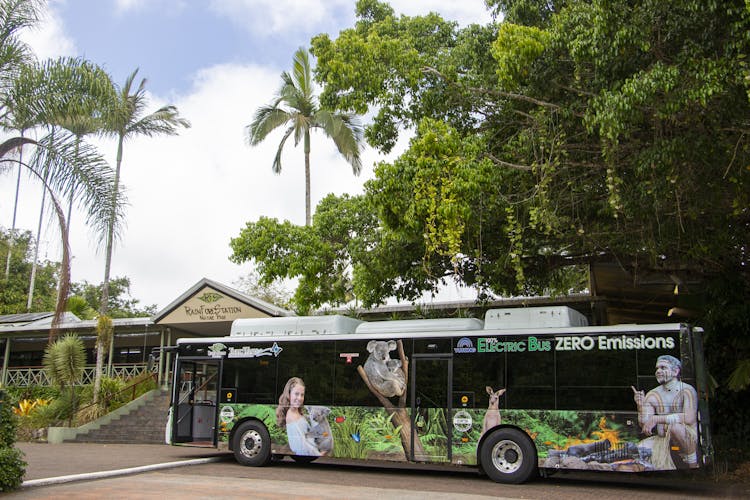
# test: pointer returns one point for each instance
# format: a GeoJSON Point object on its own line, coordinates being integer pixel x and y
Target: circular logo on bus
{"type": "Point", "coordinates": [227, 414]}
{"type": "Point", "coordinates": [462, 421]}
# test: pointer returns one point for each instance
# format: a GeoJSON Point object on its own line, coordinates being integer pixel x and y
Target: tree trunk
{"type": "Point", "coordinates": [308, 214]}
{"type": "Point", "coordinates": [104, 305]}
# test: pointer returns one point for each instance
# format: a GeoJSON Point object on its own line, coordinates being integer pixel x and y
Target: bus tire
{"type": "Point", "coordinates": [252, 444]}
{"type": "Point", "coordinates": [508, 456]}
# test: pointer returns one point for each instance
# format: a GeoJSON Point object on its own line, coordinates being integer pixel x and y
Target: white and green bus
{"type": "Point", "coordinates": [522, 392]}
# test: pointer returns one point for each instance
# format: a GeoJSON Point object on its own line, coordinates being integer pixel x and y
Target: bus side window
{"type": "Point", "coordinates": [313, 363]}
{"type": "Point", "coordinates": [531, 379]}
{"type": "Point", "coordinates": [472, 373]}
{"type": "Point", "coordinates": [595, 380]}
{"type": "Point", "coordinates": [253, 378]}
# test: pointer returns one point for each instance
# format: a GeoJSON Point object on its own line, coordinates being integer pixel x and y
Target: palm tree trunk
{"type": "Point", "coordinates": [308, 216]}
{"type": "Point", "coordinates": [11, 241]}
{"type": "Point", "coordinates": [36, 252]}
{"type": "Point", "coordinates": [104, 306]}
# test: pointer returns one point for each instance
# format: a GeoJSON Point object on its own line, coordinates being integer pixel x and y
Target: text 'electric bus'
{"type": "Point", "coordinates": [501, 394]}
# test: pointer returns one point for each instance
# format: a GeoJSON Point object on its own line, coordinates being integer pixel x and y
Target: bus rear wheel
{"type": "Point", "coordinates": [252, 444]}
{"type": "Point", "coordinates": [508, 456]}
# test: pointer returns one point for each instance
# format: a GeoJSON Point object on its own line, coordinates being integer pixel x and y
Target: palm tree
{"type": "Point", "coordinates": [30, 96]}
{"type": "Point", "coordinates": [42, 96]}
{"type": "Point", "coordinates": [295, 105]}
{"type": "Point", "coordinates": [14, 16]}
{"type": "Point", "coordinates": [124, 120]}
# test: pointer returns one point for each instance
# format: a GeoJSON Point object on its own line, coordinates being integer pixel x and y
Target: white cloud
{"type": "Point", "coordinates": [464, 11]}
{"type": "Point", "coordinates": [48, 39]}
{"type": "Point", "coordinates": [280, 16]}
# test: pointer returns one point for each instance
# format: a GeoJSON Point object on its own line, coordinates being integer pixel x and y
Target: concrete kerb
{"type": "Point", "coordinates": [89, 476]}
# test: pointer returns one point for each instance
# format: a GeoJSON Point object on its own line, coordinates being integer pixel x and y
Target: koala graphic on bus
{"type": "Point", "coordinates": [384, 373]}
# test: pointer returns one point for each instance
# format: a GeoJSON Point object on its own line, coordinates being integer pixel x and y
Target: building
{"type": "Point", "coordinates": [206, 309]}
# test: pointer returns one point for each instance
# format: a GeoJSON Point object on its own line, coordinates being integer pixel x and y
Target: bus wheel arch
{"type": "Point", "coordinates": [508, 455]}
{"type": "Point", "coordinates": [251, 443]}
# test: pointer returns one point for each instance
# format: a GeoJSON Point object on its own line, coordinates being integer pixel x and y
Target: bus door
{"type": "Point", "coordinates": [195, 399]}
{"type": "Point", "coordinates": [431, 403]}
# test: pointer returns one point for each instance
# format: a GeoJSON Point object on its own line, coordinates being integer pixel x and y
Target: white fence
{"type": "Point", "coordinates": [36, 375]}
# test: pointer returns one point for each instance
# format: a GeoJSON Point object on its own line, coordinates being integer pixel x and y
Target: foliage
{"type": "Point", "coordinates": [46, 97]}
{"type": "Point", "coordinates": [64, 360]}
{"type": "Point", "coordinates": [12, 466]}
{"type": "Point", "coordinates": [59, 410]}
{"type": "Point", "coordinates": [295, 106]}
{"type": "Point", "coordinates": [14, 289]}
{"type": "Point", "coordinates": [273, 293]}
{"type": "Point", "coordinates": [347, 436]}
{"type": "Point", "coordinates": [121, 303]}
{"type": "Point", "coordinates": [318, 255]}
{"type": "Point", "coordinates": [596, 151]}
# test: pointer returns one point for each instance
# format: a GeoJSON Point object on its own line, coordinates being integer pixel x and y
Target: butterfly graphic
{"type": "Point", "coordinates": [356, 437]}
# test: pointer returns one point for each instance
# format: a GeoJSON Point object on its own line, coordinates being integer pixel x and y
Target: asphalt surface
{"type": "Point", "coordinates": [47, 461]}
{"type": "Point", "coordinates": [84, 471]}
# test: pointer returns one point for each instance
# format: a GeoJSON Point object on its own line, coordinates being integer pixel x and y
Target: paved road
{"type": "Point", "coordinates": [324, 479]}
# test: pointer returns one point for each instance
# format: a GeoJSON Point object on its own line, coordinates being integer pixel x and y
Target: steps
{"type": "Point", "coordinates": [142, 421]}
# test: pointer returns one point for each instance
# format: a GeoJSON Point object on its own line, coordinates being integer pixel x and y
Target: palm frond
{"type": "Point", "coordinates": [75, 169]}
{"type": "Point", "coordinates": [276, 167]}
{"type": "Point", "coordinates": [266, 120]}
{"type": "Point", "coordinates": [346, 132]}
{"type": "Point", "coordinates": [163, 121]}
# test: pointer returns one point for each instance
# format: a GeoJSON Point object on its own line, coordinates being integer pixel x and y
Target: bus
{"type": "Point", "coordinates": [526, 391]}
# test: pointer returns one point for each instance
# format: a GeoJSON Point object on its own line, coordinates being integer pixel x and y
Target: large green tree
{"type": "Point", "coordinates": [319, 256]}
{"type": "Point", "coordinates": [613, 132]}
{"type": "Point", "coordinates": [121, 302]}
{"type": "Point", "coordinates": [296, 107]}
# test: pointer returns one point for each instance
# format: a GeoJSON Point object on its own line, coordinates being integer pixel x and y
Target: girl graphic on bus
{"type": "Point", "coordinates": [290, 415]}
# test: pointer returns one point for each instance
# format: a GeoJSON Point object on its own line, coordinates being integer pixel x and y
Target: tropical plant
{"type": "Point", "coordinates": [64, 361]}
{"type": "Point", "coordinates": [296, 106]}
{"type": "Point", "coordinates": [26, 407]}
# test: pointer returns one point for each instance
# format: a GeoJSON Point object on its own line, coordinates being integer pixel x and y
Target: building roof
{"type": "Point", "coordinates": [198, 317]}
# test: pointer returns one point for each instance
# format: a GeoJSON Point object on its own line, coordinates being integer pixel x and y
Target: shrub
{"type": "Point", "coordinates": [12, 466]}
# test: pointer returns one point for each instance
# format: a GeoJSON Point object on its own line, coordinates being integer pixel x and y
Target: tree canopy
{"type": "Point", "coordinates": [585, 130]}
{"type": "Point", "coordinates": [568, 133]}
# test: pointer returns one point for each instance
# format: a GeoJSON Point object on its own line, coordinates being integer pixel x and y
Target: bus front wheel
{"type": "Point", "coordinates": [508, 456]}
{"type": "Point", "coordinates": [252, 444]}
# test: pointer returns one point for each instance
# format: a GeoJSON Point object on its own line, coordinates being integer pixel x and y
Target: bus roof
{"type": "Point", "coordinates": [385, 335]}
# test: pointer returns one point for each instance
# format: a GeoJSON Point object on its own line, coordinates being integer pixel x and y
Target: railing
{"type": "Point", "coordinates": [129, 393]}
{"type": "Point", "coordinates": [35, 375]}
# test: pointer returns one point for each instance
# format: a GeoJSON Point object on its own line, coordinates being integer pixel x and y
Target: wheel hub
{"type": "Point", "coordinates": [251, 444]}
{"type": "Point", "coordinates": [507, 456]}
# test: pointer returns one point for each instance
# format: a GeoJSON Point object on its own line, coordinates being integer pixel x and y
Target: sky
{"type": "Point", "coordinates": [217, 61]}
